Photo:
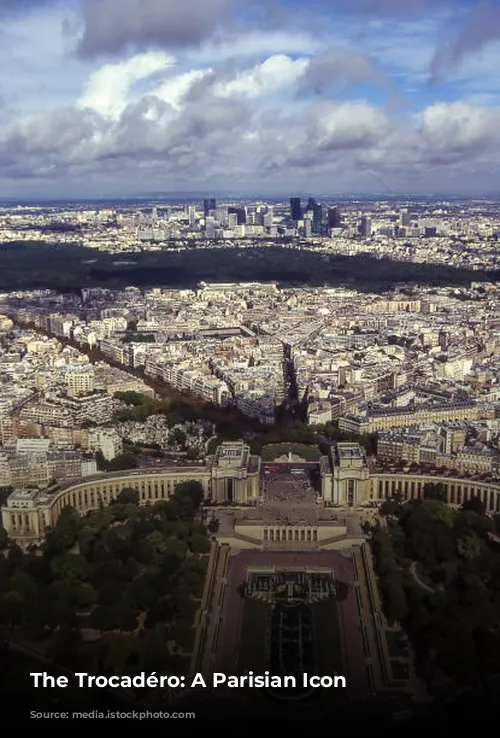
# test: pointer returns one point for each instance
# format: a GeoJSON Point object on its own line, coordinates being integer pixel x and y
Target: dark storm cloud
{"type": "Point", "coordinates": [482, 26]}
{"type": "Point", "coordinates": [113, 25]}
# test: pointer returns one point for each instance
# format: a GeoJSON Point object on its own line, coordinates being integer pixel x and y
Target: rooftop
{"type": "Point", "coordinates": [350, 451]}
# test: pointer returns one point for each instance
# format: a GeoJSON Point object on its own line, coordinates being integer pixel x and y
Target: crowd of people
{"type": "Point", "coordinates": [289, 499]}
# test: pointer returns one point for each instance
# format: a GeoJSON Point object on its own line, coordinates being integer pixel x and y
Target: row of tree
{"type": "Point", "coordinates": [135, 571]}
{"type": "Point", "coordinates": [390, 577]}
{"type": "Point", "coordinates": [447, 563]}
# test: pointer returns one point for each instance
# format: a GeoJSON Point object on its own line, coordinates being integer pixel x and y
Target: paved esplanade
{"type": "Point", "coordinates": [288, 500]}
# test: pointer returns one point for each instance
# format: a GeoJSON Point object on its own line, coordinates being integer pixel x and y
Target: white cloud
{"type": "Point", "coordinates": [173, 90]}
{"type": "Point", "coordinates": [107, 91]}
{"type": "Point", "coordinates": [274, 74]}
{"type": "Point", "coordinates": [237, 106]}
{"type": "Point", "coordinates": [458, 125]}
{"type": "Point", "coordinates": [257, 44]}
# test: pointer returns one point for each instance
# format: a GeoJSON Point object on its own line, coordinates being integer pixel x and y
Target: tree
{"type": "Point", "coordinates": [38, 568]}
{"type": "Point", "coordinates": [187, 510]}
{"type": "Point", "coordinates": [66, 645]}
{"type": "Point", "coordinates": [23, 586]}
{"type": "Point", "coordinates": [213, 525]}
{"type": "Point", "coordinates": [184, 635]}
{"type": "Point", "coordinates": [109, 593]}
{"type": "Point", "coordinates": [396, 607]}
{"type": "Point", "coordinates": [141, 594]}
{"type": "Point", "coordinates": [199, 544]}
{"type": "Point", "coordinates": [389, 507]}
{"type": "Point", "coordinates": [85, 597]}
{"type": "Point", "coordinates": [126, 619]}
{"type": "Point", "coordinates": [128, 496]}
{"type": "Point", "coordinates": [195, 584]}
{"type": "Point", "coordinates": [170, 546]}
{"type": "Point", "coordinates": [4, 538]}
{"type": "Point", "coordinates": [192, 490]}
{"type": "Point", "coordinates": [434, 491]}
{"type": "Point", "coordinates": [70, 567]}
{"type": "Point", "coordinates": [177, 437]}
{"type": "Point", "coordinates": [15, 552]}
{"type": "Point", "coordinates": [475, 504]}
{"type": "Point", "coordinates": [117, 657]}
{"type": "Point", "coordinates": [122, 462]}
{"type": "Point", "coordinates": [184, 604]}
{"type": "Point", "coordinates": [104, 618]}
{"type": "Point", "coordinates": [65, 532]}
{"type": "Point", "coordinates": [131, 398]}
{"type": "Point", "coordinates": [100, 461]}
{"type": "Point", "coordinates": [161, 612]}
{"type": "Point", "coordinates": [467, 521]}
{"type": "Point", "coordinates": [469, 546]}
{"type": "Point", "coordinates": [438, 510]}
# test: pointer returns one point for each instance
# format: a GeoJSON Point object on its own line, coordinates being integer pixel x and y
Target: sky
{"type": "Point", "coordinates": [117, 98]}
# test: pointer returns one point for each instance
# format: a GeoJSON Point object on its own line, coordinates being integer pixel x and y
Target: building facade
{"type": "Point", "coordinates": [233, 477]}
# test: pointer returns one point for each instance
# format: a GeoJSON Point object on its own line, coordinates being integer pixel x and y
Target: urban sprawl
{"type": "Point", "coordinates": [416, 367]}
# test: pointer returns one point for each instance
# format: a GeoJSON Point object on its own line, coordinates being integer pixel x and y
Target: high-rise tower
{"type": "Point", "coordinates": [295, 208]}
{"type": "Point", "coordinates": [209, 205]}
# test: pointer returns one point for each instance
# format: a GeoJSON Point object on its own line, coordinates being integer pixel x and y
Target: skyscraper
{"type": "Point", "coordinates": [210, 228]}
{"type": "Point", "coordinates": [295, 208]}
{"type": "Point", "coordinates": [221, 214]}
{"type": "Point", "coordinates": [240, 212]}
{"type": "Point", "coordinates": [365, 227]}
{"type": "Point", "coordinates": [209, 205]}
{"type": "Point", "coordinates": [317, 221]}
{"type": "Point", "coordinates": [334, 218]}
{"type": "Point", "coordinates": [311, 205]}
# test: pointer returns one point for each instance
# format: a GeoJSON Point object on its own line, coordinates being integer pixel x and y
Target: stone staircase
{"type": "Point", "coordinates": [343, 541]}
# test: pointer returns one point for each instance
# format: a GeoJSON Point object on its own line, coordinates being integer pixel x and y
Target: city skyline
{"type": "Point", "coordinates": [107, 99]}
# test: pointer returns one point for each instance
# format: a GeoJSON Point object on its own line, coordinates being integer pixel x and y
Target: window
{"type": "Point", "coordinates": [350, 492]}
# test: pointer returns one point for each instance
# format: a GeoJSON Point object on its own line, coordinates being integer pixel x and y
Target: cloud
{"type": "Point", "coordinates": [18, 7]}
{"type": "Point", "coordinates": [174, 90]}
{"type": "Point", "coordinates": [393, 7]}
{"type": "Point", "coordinates": [58, 134]}
{"type": "Point", "coordinates": [150, 120]}
{"type": "Point", "coordinates": [459, 132]}
{"type": "Point", "coordinates": [255, 44]}
{"type": "Point", "coordinates": [372, 8]}
{"type": "Point", "coordinates": [111, 26]}
{"type": "Point", "coordinates": [274, 74]}
{"type": "Point", "coordinates": [107, 89]}
{"type": "Point", "coordinates": [482, 27]}
{"type": "Point", "coordinates": [338, 69]}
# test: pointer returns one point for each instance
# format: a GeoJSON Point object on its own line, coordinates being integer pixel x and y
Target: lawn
{"type": "Point", "coordinates": [328, 638]}
{"type": "Point", "coordinates": [253, 643]}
